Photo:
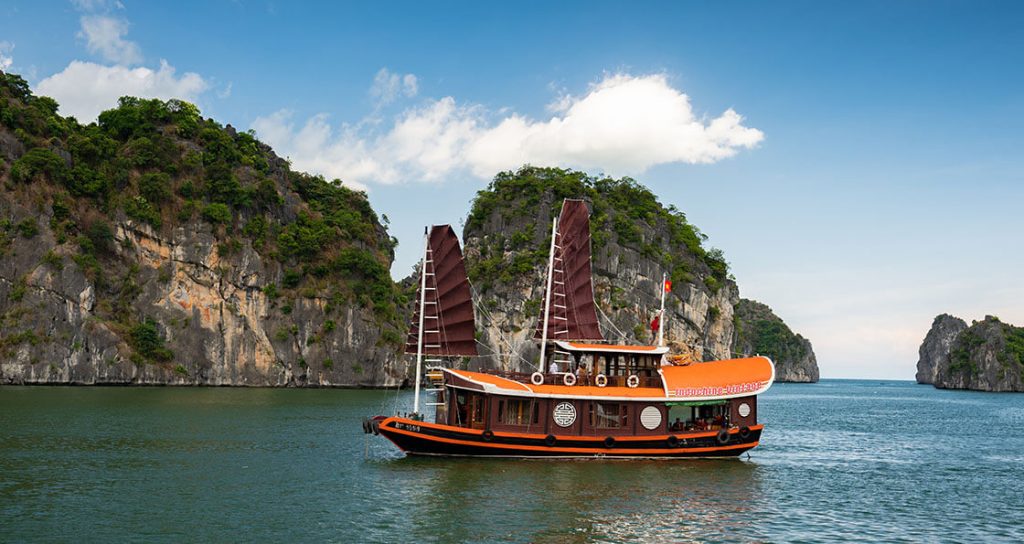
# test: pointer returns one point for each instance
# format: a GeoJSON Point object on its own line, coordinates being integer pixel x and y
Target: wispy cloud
{"type": "Point", "coordinates": [96, 5]}
{"type": "Point", "coordinates": [388, 86]}
{"type": "Point", "coordinates": [104, 35]}
{"type": "Point", "coordinates": [6, 55]}
{"type": "Point", "coordinates": [84, 89]}
{"type": "Point", "coordinates": [623, 124]}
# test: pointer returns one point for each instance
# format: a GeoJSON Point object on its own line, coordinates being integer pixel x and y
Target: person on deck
{"type": "Point", "coordinates": [553, 369]}
{"type": "Point", "coordinates": [581, 372]}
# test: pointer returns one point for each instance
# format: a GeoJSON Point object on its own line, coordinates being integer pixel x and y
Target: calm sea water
{"type": "Point", "coordinates": [839, 461]}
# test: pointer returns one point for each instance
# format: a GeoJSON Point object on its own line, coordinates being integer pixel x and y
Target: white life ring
{"type": "Point", "coordinates": [537, 378]}
{"type": "Point", "coordinates": [601, 380]}
{"type": "Point", "coordinates": [569, 379]}
{"type": "Point", "coordinates": [633, 381]}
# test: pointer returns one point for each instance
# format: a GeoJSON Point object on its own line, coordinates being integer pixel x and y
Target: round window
{"type": "Point", "coordinates": [744, 410]}
{"type": "Point", "coordinates": [650, 418]}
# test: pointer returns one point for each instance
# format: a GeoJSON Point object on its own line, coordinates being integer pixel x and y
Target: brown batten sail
{"type": "Point", "coordinates": [573, 314]}
{"type": "Point", "coordinates": [448, 323]}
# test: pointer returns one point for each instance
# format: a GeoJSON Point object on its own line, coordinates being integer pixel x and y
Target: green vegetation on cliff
{"type": "Point", "coordinates": [621, 209]}
{"type": "Point", "coordinates": [155, 164]}
{"type": "Point", "coordinates": [759, 331]}
{"type": "Point", "coordinates": [974, 349]}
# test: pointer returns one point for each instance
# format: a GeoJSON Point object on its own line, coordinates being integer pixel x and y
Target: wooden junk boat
{"type": "Point", "coordinates": [588, 399]}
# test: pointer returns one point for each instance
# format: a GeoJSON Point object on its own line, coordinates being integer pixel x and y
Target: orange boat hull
{"type": "Point", "coordinates": [422, 438]}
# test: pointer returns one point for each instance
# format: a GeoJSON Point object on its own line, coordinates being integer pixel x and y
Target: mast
{"type": "Point", "coordinates": [419, 341]}
{"type": "Point", "coordinates": [661, 314]}
{"type": "Point", "coordinates": [547, 295]}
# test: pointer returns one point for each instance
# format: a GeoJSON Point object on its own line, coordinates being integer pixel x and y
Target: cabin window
{"type": "Point", "coordinates": [518, 412]}
{"type": "Point", "coordinates": [477, 416]}
{"type": "Point", "coordinates": [608, 415]}
{"type": "Point", "coordinates": [699, 418]}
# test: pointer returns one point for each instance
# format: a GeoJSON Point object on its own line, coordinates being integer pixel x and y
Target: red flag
{"type": "Point", "coordinates": [668, 285]}
{"type": "Point", "coordinates": [656, 323]}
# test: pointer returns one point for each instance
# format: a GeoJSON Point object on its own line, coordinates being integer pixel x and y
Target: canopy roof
{"type": "Point", "coordinates": [714, 380]}
{"type": "Point", "coordinates": [718, 380]}
{"type": "Point", "coordinates": [611, 348]}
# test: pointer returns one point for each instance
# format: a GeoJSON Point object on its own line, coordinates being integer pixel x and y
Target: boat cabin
{"type": "Point", "coordinates": [607, 396]}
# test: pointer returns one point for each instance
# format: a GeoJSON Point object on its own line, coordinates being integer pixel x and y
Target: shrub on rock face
{"type": "Point", "coordinates": [147, 342]}
{"type": "Point", "coordinates": [155, 187]}
{"type": "Point", "coordinates": [37, 163]}
{"type": "Point", "coordinates": [217, 213]}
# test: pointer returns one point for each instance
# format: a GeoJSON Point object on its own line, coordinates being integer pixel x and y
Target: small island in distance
{"type": "Point", "coordinates": [988, 355]}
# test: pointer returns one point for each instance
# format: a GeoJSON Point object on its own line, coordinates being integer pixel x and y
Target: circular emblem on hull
{"type": "Point", "coordinates": [744, 410]}
{"type": "Point", "coordinates": [564, 414]}
{"type": "Point", "coordinates": [650, 418]}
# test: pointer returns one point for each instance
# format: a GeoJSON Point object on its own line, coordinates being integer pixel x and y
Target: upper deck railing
{"type": "Point", "coordinates": [558, 378]}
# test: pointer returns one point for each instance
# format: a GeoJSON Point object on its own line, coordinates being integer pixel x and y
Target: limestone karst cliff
{"type": "Point", "coordinates": [635, 240]}
{"type": "Point", "coordinates": [760, 331]}
{"type": "Point", "coordinates": [156, 246]}
{"type": "Point", "coordinates": [987, 356]}
{"type": "Point", "coordinates": [934, 351]}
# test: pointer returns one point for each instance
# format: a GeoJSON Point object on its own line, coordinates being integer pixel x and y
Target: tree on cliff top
{"type": "Point", "coordinates": [160, 163]}
{"type": "Point", "coordinates": [623, 212]}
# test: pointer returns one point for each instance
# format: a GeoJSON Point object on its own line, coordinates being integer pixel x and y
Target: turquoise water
{"type": "Point", "coordinates": [840, 461]}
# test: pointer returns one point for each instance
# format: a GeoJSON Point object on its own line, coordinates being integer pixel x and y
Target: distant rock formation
{"type": "Point", "coordinates": [987, 356]}
{"type": "Point", "coordinates": [760, 331]}
{"type": "Point", "coordinates": [936, 346]}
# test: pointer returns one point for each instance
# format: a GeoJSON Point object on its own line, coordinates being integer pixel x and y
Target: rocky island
{"type": "Point", "coordinates": [156, 246]}
{"type": "Point", "coordinates": [986, 356]}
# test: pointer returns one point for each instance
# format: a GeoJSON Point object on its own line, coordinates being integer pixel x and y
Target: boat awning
{"type": "Point", "coordinates": [610, 348]}
{"type": "Point", "coordinates": [718, 379]}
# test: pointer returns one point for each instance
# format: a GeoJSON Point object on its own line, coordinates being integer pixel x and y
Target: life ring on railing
{"type": "Point", "coordinates": [673, 441]}
{"type": "Point", "coordinates": [569, 379]}
{"type": "Point", "coordinates": [633, 381]}
{"type": "Point", "coordinates": [609, 442]}
{"type": "Point", "coordinates": [537, 378]}
{"type": "Point", "coordinates": [723, 436]}
{"type": "Point", "coordinates": [487, 435]}
{"type": "Point", "coordinates": [744, 432]}
{"type": "Point", "coordinates": [601, 380]}
{"type": "Point", "coordinates": [550, 440]}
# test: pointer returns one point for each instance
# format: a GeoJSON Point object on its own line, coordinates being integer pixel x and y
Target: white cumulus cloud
{"type": "Point", "coordinates": [104, 36]}
{"type": "Point", "coordinates": [623, 124]}
{"type": "Point", "coordinates": [84, 89]}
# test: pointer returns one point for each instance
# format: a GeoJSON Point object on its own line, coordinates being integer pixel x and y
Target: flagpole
{"type": "Point", "coordinates": [661, 313]}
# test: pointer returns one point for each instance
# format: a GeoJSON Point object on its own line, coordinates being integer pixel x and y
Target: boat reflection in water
{"type": "Point", "coordinates": [636, 501]}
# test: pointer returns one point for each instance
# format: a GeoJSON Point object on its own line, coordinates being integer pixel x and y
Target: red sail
{"type": "Point", "coordinates": [448, 326]}
{"type": "Point", "coordinates": [573, 315]}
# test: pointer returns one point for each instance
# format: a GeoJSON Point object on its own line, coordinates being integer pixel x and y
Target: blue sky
{"type": "Point", "coordinates": [870, 179]}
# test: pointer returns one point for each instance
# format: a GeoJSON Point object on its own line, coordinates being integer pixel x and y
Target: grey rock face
{"type": "Point", "coordinates": [627, 289]}
{"type": "Point", "coordinates": [760, 331]}
{"type": "Point", "coordinates": [987, 356]}
{"type": "Point", "coordinates": [934, 351]}
{"type": "Point", "coordinates": [212, 311]}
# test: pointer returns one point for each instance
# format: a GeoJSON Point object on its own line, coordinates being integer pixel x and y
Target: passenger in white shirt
{"type": "Point", "coordinates": [553, 369]}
